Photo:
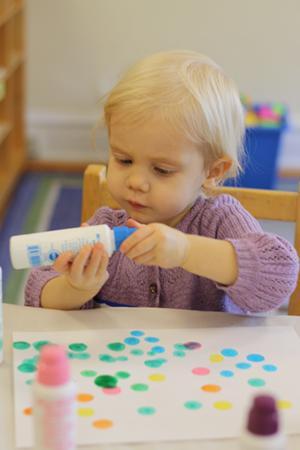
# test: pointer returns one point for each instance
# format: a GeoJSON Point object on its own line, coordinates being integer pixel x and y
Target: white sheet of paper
{"type": "Point", "coordinates": [192, 393]}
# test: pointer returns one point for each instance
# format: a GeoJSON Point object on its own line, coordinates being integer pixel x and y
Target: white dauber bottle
{"type": "Point", "coordinates": [54, 401]}
{"type": "Point", "coordinates": [263, 426]}
{"type": "Point", "coordinates": [41, 249]}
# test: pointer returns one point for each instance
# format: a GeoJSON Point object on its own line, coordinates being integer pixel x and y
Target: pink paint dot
{"type": "Point", "coordinates": [111, 391]}
{"type": "Point", "coordinates": [200, 371]}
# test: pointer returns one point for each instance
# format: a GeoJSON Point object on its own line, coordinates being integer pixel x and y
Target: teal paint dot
{"type": "Point", "coordinates": [155, 362]}
{"type": "Point", "coordinates": [255, 357]}
{"type": "Point", "coordinates": [243, 365]}
{"type": "Point", "coordinates": [227, 373]}
{"type": "Point", "coordinates": [158, 349]}
{"type": "Point", "coordinates": [106, 381]}
{"type": "Point", "coordinates": [40, 344]}
{"type": "Point", "coordinates": [137, 352]}
{"type": "Point", "coordinates": [256, 382]}
{"type": "Point", "coordinates": [269, 367]}
{"type": "Point", "coordinates": [107, 358]}
{"type": "Point", "coordinates": [27, 367]}
{"type": "Point", "coordinates": [151, 353]}
{"type": "Point", "coordinates": [88, 373]}
{"type": "Point", "coordinates": [151, 339]}
{"type": "Point", "coordinates": [146, 410]}
{"type": "Point", "coordinates": [139, 387]}
{"type": "Point", "coordinates": [116, 346]}
{"type": "Point", "coordinates": [131, 340]}
{"type": "Point", "coordinates": [180, 347]}
{"type": "Point", "coordinates": [229, 352]}
{"type": "Point", "coordinates": [21, 345]}
{"type": "Point", "coordinates": [193, 405]}
{"type": "Point", "coordinates": [29, 382]}
{"type": "Point", "coordinates": [179, 353]}
{"type": "Point", "coordinates": [78, 347]}
{"type": "Point", "coordinates": [137, 333]}
{"type": "Point", "coordinates": [121, 358]}
{"type": "Point", "coordinates": [122, 374]}
{"type": "Point", "coordinates": [80, 356]}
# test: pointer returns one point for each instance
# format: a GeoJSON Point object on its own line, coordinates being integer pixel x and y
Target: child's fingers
{"type": "Point", "coordinates": [146, 259]}
{"type": "Point", "coordinates": [135, 238]}
{"type": "Point", "coordinates": [94, 261]}
{"type": "Point", "coordinates": [80, 261]}
{"type": "Point", "coordinates": [142, 247]}
{"type": "Point", "coordinates": [62, 263]}
{"type": "Point", "coordinates": [134, 224]}
{"type": "Point", "coordinates": [102, 272]}
{"type": "Point", "coordinates": [84, 224]}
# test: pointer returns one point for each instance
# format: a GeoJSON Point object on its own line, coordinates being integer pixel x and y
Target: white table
{"type": "Point", "coordinates": [19, 318]}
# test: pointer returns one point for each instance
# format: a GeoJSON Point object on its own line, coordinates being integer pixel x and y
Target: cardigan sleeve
{"type": "Point", "coordinates": [268, 265]}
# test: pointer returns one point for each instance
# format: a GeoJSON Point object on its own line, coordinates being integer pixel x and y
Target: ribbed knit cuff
{"type": "Point", "coordinates": [34, 286]}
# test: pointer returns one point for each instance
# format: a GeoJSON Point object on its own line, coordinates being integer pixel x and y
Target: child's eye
{"type": "Point", "coordinates": [124, 162]}
{"type": "Point", "coordinates": [162, 171]}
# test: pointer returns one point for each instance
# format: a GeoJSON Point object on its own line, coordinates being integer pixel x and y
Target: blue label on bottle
{"type": "Point", "coordinates": [34, 255]}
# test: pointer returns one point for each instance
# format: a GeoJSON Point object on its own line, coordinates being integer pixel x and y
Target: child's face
{"type": "Point", "coordinates": [153, 173]}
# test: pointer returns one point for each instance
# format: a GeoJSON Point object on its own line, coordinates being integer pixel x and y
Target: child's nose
{"type": "Point", "coordinates": [137, 182]}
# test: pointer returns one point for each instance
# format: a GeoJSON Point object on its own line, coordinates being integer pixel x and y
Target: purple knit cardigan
{"type": "Point", "coordinates": [267, 266]}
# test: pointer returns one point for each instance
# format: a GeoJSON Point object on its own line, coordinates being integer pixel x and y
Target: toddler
{"type": "Point", "coordinates": [176, 128]}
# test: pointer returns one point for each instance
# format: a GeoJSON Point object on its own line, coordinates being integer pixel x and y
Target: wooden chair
{"type": "Point", "coordinates": [262, 204]}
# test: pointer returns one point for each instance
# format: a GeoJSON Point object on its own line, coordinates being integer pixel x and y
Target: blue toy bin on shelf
{"type": "Point", "coordinates": [260, 163]}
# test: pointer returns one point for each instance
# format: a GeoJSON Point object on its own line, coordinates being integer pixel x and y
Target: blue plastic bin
{"type": "Point", "coordinates": [260, 164]}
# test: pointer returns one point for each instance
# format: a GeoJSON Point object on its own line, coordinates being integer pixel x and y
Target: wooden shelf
{"type": "Point", "coordinates": [12, 62]}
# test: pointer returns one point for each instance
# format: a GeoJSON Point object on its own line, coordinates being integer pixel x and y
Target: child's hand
{"type": "Point", "coordinates": [156, 244]}
{"type": "Point", "coordinates": [86, 270]}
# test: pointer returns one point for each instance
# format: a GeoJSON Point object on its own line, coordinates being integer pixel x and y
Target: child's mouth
{"type": "Point", "coordinates": [136, 205]}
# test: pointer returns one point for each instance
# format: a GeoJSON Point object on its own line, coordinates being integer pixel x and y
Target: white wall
{"type": "Point", "coordinates": [78, 48]}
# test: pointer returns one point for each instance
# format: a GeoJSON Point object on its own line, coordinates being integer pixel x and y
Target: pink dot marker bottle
{"type": "Point", "coordinates": [54, 401]}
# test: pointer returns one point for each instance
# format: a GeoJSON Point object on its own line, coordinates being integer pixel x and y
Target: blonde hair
{"type": "Point", "coordinates": [192, 94]}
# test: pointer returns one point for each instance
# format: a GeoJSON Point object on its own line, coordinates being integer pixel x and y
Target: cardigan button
{"type": "Point", "coordinates": [153, 288]}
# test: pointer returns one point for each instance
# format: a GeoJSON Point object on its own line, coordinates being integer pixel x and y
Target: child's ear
{"type": "Point", "coordinates": [217, 171]}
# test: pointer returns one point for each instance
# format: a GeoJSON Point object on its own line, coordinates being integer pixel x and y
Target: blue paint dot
{"type": "Point", "coordinates": [227, 373]}
{"type": "Point", "coordinates": [255, 357]}
{"type": "Point", "coordinates": [269, 367]}
{"type": "Point", "coordinates": [131, 341]}
{"type": "Point", "coordinates": [229, 352]}
{"type": "Point", "coordinates": [243, 365]}
{"type": "Point", "coordinates": [158, 349]}
{"type": "Point", "coordinates": [137, 333]}
{"type": "Point", "coordinates": [151, 339]}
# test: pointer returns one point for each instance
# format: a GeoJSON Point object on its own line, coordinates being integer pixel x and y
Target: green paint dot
{"type": "Point", "coordinates": [121, 358]}
{"type": "Point", "coordinates": [146, 410]}
{"type": "Point", "coordinates": [256, 382]}
{"type": "Point", "coordinates": [39, 344]}
{"type": "Point", "coordinates": [193, 405]}
{"type": "Point", "coordinates": [21, 345]}
{"type": "Point", "coordinates": [80, 356]}
{"type": "Point", "coordinates": [27, 367]}
{"type": "Point", "coordinates": [122, 374]}
{"type": "Point", "coordinates": [137, 352]}
{"type": "Point", "coordinates": [88, 373]}
{"type": "Point", "coordinates": [140, 387]}
{"type": "Point", "coordinates": [155, 362]}
{"type": "Point", "coordinates": [116, 346]}
{"type": "Point", "coordinates": [106, 381]}
{"type": "Point", "coordinates": [179, 353]}
{"type": "Point", "coordinates": [78, 347]}
{"type": "Point", "coordinates": [151, 353]}
{"type": "Point", "coordinates": [29, 382]}
{"type": "Point", "coordinates": [107, 358]}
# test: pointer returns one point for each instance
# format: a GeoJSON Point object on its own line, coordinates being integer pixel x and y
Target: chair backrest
{"type": "Point", "coordinates": [262, 204]}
